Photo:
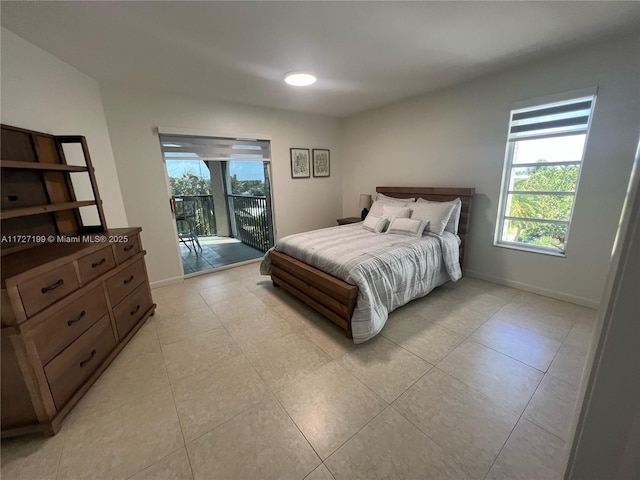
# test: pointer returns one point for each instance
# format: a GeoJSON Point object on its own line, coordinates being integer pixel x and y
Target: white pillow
{"type": "Point", "coordinates": [376, 208]}
{"type": "Point", "coordinates": [454, 219]}
{"type": "Point", "coordinates": [407, 226]}
{"type": "Point", "coordinates": [375, 224]}
{"type": "Point", "coordinates": [393, 211]}
{"type": "Point", "coordinates": [381, 197]}
{"type": "Point", "coordinates": [436, 213]}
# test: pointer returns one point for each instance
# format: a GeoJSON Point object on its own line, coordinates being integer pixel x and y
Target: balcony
{"type": "Point", "coordinates": [201, 248]}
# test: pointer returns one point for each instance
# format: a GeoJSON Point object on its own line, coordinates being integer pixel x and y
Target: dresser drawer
{"type": "Point", "coordinates": [129, 312]}
{"type": "Point", "coordinates": [127, 249]}
{"type": "Point", "coordinates": [58, 331]}
{"type": "Point", "coordinates": [69, 370]}
{"type": "Point", "coordinates": [125, 282]}
{"type": "Point", "coordinates": [95, 264]}
{"type": "Point", "coordinates": [45, 289]}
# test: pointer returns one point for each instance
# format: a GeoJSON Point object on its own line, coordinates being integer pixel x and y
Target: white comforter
{"type": "Point", "coordinates": [389, 270]}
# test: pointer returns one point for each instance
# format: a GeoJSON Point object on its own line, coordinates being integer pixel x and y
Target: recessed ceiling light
{"type": "Point", "coordinates": [299, 79]}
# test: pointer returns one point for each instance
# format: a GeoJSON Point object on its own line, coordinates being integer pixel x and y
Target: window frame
{"type": "Point", "coordinates": [508, 167]}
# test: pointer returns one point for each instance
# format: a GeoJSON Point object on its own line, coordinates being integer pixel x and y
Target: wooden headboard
{"type": "Point", "coordinates": [440, 195]}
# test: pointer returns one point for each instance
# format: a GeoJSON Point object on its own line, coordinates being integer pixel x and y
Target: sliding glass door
{"type": "Point", "coordinates": [221, 199]}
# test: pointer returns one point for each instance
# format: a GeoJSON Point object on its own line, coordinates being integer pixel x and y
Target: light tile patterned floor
{"type": "Point", "coordinates": [234, 380]}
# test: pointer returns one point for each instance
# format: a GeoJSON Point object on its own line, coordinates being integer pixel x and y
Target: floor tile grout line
{"type": "Point", "coordinates": [492, 401]}
{"type": "Point", "coordinates": [64, 441]}
{"type": "Point", "coordinates": [175, 407]}
{"type": "Point", "coordinates": [199, 436]}
{"type": "Point", "coordinates": [400, 346]}
{"type": "Point", "coordinates": [544, 429]}
{"type": "Point", "coordinates": [463, 335]}
{"type": "Point", "coordinates": [158, 461]}
{"type": "Point", "coordinates": [325, 466]}
{"type": "Point", "coordinates": [242, 352]}
{"type": "Point", "coordinates": [564, 342]}
{"type": "Point", "coordinates": [350, 437]}
{"type": "Point", "coordinates": [477, 341]}
{"type": "Point", "coordinates": [301, 433]}
{"type": "Point", "coordinates": [387, 404]}
{"type": "Point", "coordinates": [520, 417]}
{"type": "Point", "coordinates": [470, 338]}
{"type": "Point", "coordinates": [534, 393]}
{"type": "Point", "coordinates": [359, 381]}
{"type": "Point", "coordinates": [446, 449]}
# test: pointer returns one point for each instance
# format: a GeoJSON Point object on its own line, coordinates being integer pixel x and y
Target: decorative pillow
{"type": "Point", "coordinates": [381, 197]}
{"type": "Point", "coordinates": [436, 213]}
{"type": "Point", "coordinates": [407, 226]}
{"type": "Point", "coordinates": [454, 219]}
{"type": "Point", "coordinates": [393, 211]}
{"type": "Point", "coordinates": [374, 223]}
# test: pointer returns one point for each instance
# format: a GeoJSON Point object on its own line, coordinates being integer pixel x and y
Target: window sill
{"type": "Point", "coordinates": [530, 249]}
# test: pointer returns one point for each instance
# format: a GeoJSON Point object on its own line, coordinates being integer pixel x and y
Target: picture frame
{"type": "Point", "coordinates": [321, 162]}
{"type": "Point", "coordinates": [300, 163]}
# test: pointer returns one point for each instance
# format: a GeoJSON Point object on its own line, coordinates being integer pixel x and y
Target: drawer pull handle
{"type": "Point", "coordinates": [128, 280]}
{"type": "Point", "coordinates": [84, 362]}
{"type": "Point", "coordinates": [128, 247]}
{"type": "Point", "coordinates": [97, 264]}
{"type": "Point", "coordinates": [52, 287]}
{"type": "Point", "coordinates": [76, 320]}
{"type": "Point", "coordinates": [133, 312]}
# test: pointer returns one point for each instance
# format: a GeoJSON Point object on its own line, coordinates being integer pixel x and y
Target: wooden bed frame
{"type": "Point", "coordinates": [336, 299]}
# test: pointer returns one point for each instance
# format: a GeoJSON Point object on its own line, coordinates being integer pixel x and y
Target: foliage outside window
{"type": "Point", "coordinates": [542, 167]}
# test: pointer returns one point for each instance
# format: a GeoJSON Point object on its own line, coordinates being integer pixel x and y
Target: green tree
{"type": "Point", "coordinates": [246, 187]}
{"type": "Point", "coordinates": [190, 184]}
{"type": "Point", "coordinates": [549, 207]}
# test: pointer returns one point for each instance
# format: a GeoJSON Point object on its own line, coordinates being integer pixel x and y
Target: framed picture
{"type": "Point", "coordinates": [300, 165]}
{"type": "Point", "coordinates": [321, 163]}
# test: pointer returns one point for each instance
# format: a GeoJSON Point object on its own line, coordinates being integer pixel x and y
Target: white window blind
{"type": "Point", "coordinates": [183, 147]}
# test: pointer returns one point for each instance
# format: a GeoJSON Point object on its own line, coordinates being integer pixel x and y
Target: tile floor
{"type": "Point", "coordinates": [234, 379]}
{"type": "Point", "coordinates": [216, 252]}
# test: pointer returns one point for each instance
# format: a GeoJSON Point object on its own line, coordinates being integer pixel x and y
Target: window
{"type": "Point", "coordinates": [544, 153]}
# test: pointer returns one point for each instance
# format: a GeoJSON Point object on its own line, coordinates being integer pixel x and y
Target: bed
{"type": "Point", "coordinates": [348, 301]}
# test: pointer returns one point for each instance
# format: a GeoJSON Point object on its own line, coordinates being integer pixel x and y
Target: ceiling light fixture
{"type": "Point", "coordinates": [299, 79]}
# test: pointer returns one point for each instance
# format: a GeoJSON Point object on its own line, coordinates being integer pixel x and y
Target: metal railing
{"type": "Point", "coordinates": [199, 209]}
{"type": "Point", "coordinates": [250, 213]}
{"type": "Point", "coordinates": [253, 221]}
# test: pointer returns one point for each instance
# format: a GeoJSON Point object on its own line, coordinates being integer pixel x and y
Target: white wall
{"type": "Point", "coordinates": [456, 137]}
{"type": "Point", "coordinates": [132, 116]}
{"type": "Point", "coordinates": [607, 426]}
{"type": "Point", "coordinates": [41, 92]}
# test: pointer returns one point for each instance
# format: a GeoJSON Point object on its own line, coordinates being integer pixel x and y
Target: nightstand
{"type": "Point", "coordinates": [348, 220]}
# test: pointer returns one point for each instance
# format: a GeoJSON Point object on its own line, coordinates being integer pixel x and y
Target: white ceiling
{"type": "Point", "coordinates": [365, 54]}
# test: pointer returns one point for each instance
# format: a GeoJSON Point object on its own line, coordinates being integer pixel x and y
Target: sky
{"type": "Point", "coordinates": [554, 149]}
{"type": "Point", "coordinates": [245, 170]}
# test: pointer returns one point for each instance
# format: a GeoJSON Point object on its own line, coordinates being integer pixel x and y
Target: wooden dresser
{"type": "Point", "coordinates": [72, 295]}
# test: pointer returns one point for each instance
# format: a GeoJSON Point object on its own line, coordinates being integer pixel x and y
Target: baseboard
{"type": "Point", "coordinates": [585, 302]}
{"type": "Point", "coordinates": [166, 282]}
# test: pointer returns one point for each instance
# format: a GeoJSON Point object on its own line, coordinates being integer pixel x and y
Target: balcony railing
{"type": "Point", "coordinates": [253, 221]}
{"type": "Point", "coordinates": [250, 213]}
{"type": "Point", "coordinates": [199, 210]}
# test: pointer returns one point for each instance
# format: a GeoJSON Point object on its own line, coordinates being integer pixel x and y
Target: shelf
{"type": "Point", "coordinates": [54, 207]}
{"type": "Point", "coordinates": [42, 166]}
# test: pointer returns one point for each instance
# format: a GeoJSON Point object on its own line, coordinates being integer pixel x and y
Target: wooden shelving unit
{"type": "Point", "coordinates": [57, 207]}
{"type": "Point", "coordinates": [38, 190]}
{"type": "Point", "coordinates": [42, 166]}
